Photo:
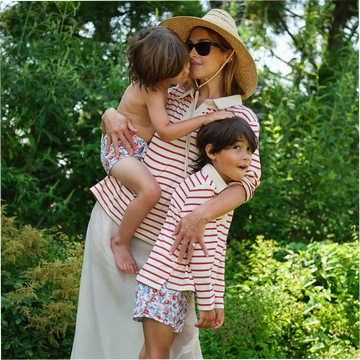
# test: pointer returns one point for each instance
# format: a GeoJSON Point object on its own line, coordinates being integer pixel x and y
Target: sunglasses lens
{"type": "Point", "coordinates": [202, 48]}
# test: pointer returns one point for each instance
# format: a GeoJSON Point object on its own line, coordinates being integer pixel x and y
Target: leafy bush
{"type": "Point", "coordinates": [56, 85]}
{"type": "Point", "coordinates": [309, 149]}
{"type": "Point", "coordinates": [40, 278]}
{"type": "Point", "coordinates": [301, 301]}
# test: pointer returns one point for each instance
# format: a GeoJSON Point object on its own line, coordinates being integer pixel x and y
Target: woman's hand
{"type": "Point", "coordinates": [190, 230]}
{"type": "Point", "coordinates": [117, 127]}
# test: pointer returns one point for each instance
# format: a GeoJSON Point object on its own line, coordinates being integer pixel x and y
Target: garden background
{"type": "Point", "coordinates": [292, 272]}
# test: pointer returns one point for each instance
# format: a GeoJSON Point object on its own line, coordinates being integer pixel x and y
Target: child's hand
{"type": "Point", "coordinates": [217, 115]}
{"type": "Point", "coordinates": [219, 318]}
{"type": "Point", "coordinates": [206, 319]}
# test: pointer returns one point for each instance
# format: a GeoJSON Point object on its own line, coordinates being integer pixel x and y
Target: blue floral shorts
{"type": "Point", "coordinates": [110, 159]}
{"type": "Point", "coordinates": [165, 305]}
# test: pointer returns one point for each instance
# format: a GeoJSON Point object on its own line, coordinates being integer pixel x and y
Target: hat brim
{"type": "Point", "coordinates": [245, 73]}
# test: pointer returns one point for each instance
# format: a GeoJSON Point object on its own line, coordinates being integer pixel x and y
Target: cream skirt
{"type": "Point", "coordinates": [105, 328]}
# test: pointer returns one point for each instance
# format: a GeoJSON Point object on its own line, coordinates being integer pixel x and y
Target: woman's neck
{"type": "Point", "coordinates": [211, 90]}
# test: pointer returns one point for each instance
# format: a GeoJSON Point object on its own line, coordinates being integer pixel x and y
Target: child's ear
{"type": "Point", "coordinates": [209, 148]}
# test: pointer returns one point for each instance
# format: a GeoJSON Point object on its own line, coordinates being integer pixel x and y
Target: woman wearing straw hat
{"type": "Point", "coordinates": [223, 74]}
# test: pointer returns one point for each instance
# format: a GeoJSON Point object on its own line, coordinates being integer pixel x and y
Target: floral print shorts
{"type": "Point", "coordinates": [110, 159]}
{"type": "Point", "coordinates": [165, 305]}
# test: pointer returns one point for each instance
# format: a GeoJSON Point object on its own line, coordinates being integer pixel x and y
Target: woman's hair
{"type": "Point", "coordinates": [154, 55]}
{"type": "Point", "coordinates": [222, 134]}
{"type": "Point", "coordinates": [230, 87]}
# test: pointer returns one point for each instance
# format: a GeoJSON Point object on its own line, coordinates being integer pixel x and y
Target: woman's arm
{"type": "Point", "coordinates": [116, 126]}
{"type": "Point", "coordinates": [192, 226]}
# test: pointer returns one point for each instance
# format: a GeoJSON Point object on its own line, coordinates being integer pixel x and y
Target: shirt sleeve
{"type": "Point", "coordinates": [252, 176]}
{"type": "Point", "coordinates": [218, 276]}
{"type": "Point", "coordinates": [202, 267]}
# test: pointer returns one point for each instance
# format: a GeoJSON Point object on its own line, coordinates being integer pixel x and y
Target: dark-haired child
{"type": "Point", "coordinates": [164, 285]}
{"type": "Point", "coordinates": [157, 59]}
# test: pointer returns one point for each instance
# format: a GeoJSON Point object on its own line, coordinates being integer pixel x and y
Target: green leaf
{"type": "Point", "coordinates": [29, 353]}
{"type": "Point", "coordinates": [311, 321]}
{"type": "Point", "coordinates": [317, 347]}
{"type": "Point", "coordinates": [311, 305]}
{"type": "Point", "coordinates": [311, 338]}
{"type": "Point", "coordinates": [309, 281]}
{"type": "Point", "coordinates": [324, 336]}
{"type": "Point", "coordinates": [336, 349]}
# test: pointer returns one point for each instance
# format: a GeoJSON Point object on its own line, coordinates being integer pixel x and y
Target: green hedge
{"type": "Point", "coordinates": [301, 301]}
{"type": "Point", "coordinates": [40, 276]}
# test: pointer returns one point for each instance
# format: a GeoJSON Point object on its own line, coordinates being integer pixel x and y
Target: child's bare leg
{"type": "Point", "coordinates": [134, 175]}
{"type": "Point", "coordinates": [158, 339]}
{"type": "Point", "coordinates": [142, 352]}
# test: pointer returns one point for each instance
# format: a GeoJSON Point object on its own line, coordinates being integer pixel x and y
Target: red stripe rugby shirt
{"type": "Point", "coordinates": [169, 161]}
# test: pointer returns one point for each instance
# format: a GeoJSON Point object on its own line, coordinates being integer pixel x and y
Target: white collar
{"type": "Point", "coordinates": [215, 176]}
{"type": "Point", "coordinates": [220, 103]}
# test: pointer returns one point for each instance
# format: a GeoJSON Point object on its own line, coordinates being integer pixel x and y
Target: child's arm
{"type": "Point", "coordinates": [156, 104]}
{"type": "Point", "coordinates": [208, 274]}
{"type": "Point", "coordinates": [218, 277]}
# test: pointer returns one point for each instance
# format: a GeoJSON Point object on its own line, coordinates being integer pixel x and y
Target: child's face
{"type": "Point", "coordinates": [232, 163]}
{"type": "Point", "coordinates": [182, 77]}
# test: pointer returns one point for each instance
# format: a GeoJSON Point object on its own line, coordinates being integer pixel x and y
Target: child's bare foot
{"type": "Point", "coordinates": [123, 257]}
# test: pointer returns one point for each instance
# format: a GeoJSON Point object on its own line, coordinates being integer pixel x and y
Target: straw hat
{"type": "Point", "coordinates": [223, 23]}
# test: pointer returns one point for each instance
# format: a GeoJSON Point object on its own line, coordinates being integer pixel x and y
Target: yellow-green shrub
{"type": "Point", "coordinates": [40, 282]}
{"type": "Point", "coordinates": [301, 301]}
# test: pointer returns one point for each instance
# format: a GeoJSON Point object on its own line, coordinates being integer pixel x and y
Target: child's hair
{"type": "Point", "coordinates": [154, 55]}
{"type": "Point", "coordinates": [222, 134]}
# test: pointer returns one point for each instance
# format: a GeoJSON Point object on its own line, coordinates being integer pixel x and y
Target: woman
{"type": "Point", "coordinates": [225, 74]}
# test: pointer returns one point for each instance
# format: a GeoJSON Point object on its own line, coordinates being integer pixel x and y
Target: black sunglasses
{"type": "Point", "coordinates": [202, 48]}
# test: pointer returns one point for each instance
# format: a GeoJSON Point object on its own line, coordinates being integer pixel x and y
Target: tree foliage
{"type": "Point", "coordinates": [54, 88]}
{"type": "Point", "coordinates": [332, 18]}
{"type": "Point", "coordinates": [130, 16]}
{"type": "Point", "coordinates": [309, 154]}
{"type": "Point", "coordinates": [309, 128]}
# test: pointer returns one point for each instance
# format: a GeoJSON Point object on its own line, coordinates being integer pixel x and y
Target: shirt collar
{"type": "Point", "coordinates": [215, 176]}
{"type": "Point", "coordinates": [220, 103]}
